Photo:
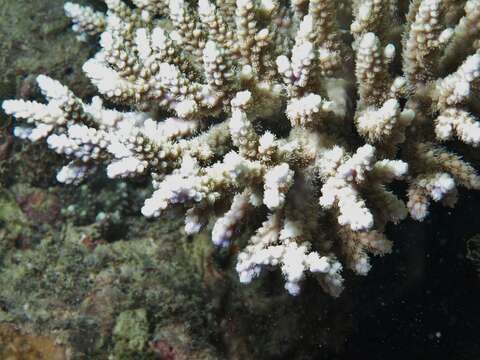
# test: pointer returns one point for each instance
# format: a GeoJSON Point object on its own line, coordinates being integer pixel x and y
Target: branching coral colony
{"type": "Point", "coordinates": [291, 110]}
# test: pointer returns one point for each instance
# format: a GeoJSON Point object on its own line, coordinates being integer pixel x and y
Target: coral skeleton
{"type": "Point", "coordinates": [301, 112]}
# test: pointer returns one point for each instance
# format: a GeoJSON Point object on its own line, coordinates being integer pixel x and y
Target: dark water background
{"type": "Point", "coordinates": [426, 304]}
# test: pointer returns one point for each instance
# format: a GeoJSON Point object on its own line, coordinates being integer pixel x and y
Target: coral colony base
{"type": "Point", "coordinates": [302, 111]}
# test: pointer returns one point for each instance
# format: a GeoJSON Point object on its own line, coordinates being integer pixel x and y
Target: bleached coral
{"type": "Point", "coordinates": [252, 108]}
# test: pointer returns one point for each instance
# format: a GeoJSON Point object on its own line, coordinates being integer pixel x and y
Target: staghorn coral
{"type": "Point", "coordinates": [298, 111]}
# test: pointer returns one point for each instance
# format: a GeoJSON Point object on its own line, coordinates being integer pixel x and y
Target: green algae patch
{"type": "Point", "coordinates": [13, 223]}
{"type": "Point", "coordinates": [106, 299]}
{"type": "Point", "coordinates": [131, 330]}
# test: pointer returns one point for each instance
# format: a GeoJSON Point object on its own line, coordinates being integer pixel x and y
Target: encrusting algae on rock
{"type": "Point", "coordinates": [299, 112]}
